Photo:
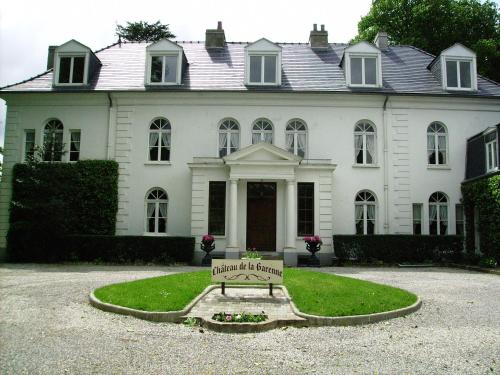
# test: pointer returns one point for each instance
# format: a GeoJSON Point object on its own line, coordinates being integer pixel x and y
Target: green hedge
{"type": "Point", "coordinates": [112, 249]}
{"type": "Point", "coordinates": [51, 200]}
{"type": "Point", "coordinates": [484, 194]}
{"type": "Point", "coordinates": [398, 248]}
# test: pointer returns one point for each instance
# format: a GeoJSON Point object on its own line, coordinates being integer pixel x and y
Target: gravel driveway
{"type": "Point", "coordinates": [48, 327]}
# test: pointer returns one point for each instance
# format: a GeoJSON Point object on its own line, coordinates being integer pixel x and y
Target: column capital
{"type": "Point", "coordinates": [290, 181]}
{"type": "Point", "coordinates": [233, 180]}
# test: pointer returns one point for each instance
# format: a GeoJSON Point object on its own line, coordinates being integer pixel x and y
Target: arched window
{"type": "Point", "coordinates": [262, 131]}
{"type": "Point", "coordinates": [53, 140]}
{"type": "Point", "coordinates": [296, 137]}
{"type": "Point", "coordinates": [365, 143]}
{"type": "Point", "coordinates": [159, 140]}
{"type": "Point", "coordinates": [156, 211]}
{"type": "Point", "coordinates": [229, 137]}
{"type": "Point", "coordinates": [438, 213]}
{"type": "Point", "coordinates": [437, 153]}
{"type": "Point", "coordinates": [365, 212]}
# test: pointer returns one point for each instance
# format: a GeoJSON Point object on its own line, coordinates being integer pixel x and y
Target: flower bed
{"type": "Point", "coordinates": [239, 318]}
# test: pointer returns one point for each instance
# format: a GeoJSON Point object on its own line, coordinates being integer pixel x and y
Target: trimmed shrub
{"type": "Point", "coordinates": [483, 194]}
{"type": "Point", "coordinates": [393, 248]}
{"type": "Point", "coordinates": [111, 249]}
{"type": "Point", "coordinates": [51, 200]}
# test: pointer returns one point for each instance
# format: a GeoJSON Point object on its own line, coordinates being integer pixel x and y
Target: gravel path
{"type": "Point", "coordinates": [48, 327]}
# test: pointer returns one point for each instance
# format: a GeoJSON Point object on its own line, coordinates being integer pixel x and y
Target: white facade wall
{"type": "Point", "coordinates": [120, 132]}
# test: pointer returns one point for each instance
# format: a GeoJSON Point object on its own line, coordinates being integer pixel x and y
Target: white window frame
{"type": "Point", "coordinates": [493, 147]}
{"type": "Point", "coordinates": [72, 56]}
{"type": "Point", "coordinates": [457, 61]}
{"type": "Point", "coordinates": [462, 221]}
{"type": "Point", "coordinates": [262, 132]}
{"type": "Point", "coordinates": [157, 213]}
{"type": "Point", "coordinates": [228, 136]}
{"type": "Point", "coordinates": [365, 205]}
{"type": "Point", "coordinates": [71, 131]}
{"type": "Point", "coordinates": [262, 68]}
{"type": "Point", "coordinates": [152, 54]}
{"type": "Point", "coordinates": [420, 207]}
{"type": "Point", "coordinates": [159, 131]}
{"type": "Point", "coordinates": [436, 135]}
{"type": "Point", "coordinates": [363, 56]}
{"type": "Point", "coordinates": [26, 131]}
{"type": "Point", "coordinates": [364, 148]}
{"type": "Point", "coordinates": [43, 134]}
{"type": "Point", "coordinates": [438, 206]}
{"type": "Point", "coordinates": [295, 134]}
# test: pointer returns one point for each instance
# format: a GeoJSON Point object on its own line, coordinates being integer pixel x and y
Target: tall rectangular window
{"type": "Point", "coordinates": [305, 209]}
{"type": "Point", "coordinates": [217, 207]}
{"type": "Point", "coordinates": [29, 144]}
{"type": "Point", "coordinates": [459, 219]}
{"type": "Point", "coordinates": [74, 146]}
{"type": "Point", "coordinates": [417, 218]}
{"type": "Point", "coordinates": [491, 151]}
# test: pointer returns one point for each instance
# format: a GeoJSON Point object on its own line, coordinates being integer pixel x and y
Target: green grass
{"type": "Point", "coordinates": [314, 293]}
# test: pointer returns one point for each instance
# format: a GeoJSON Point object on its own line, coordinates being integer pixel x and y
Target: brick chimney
{"type": "Point", "coordinates": [318, 39]}
{"type": "Point", "coordinates": [215, 38]}
{"type": "Point", "coordinates": [381, 40]}
{"type": "Point", "coordinates": [50, 57]}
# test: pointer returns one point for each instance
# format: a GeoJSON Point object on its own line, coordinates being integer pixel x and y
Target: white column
{"type": "Point", "coordinates": [232, 241]}
{"type": "Point", "coordinates": [291, 215]}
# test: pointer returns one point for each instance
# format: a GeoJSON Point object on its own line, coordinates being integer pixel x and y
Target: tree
{"type": "Point", "coordinates": [143, 31]}
{"type": "Point", "coordinates": [434, 25]}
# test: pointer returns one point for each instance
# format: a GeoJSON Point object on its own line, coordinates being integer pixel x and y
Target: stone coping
{"type": "Point", "coordinates": [306, 321]}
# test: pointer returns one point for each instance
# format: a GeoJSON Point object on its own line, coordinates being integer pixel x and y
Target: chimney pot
{"type": "Point", "coordinates": [215, 38]}
{"type": "Point", "coordinates": [318, 39]}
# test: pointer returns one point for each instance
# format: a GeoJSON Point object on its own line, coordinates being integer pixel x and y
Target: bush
{"type": "Point", "coordinates": [112, 249]}
{"type": "Point", "coordinates": [488, 262]}
{"type": "Point", "coordinates": [51, 200]}
{"type": "Point", "coordinates": [398, 248]}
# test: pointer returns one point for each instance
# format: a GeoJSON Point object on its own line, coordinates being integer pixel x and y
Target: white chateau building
{"type": "Point", "coordinates": [263, 143]}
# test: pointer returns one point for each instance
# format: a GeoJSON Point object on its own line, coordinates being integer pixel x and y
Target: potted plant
{"type": "Point", "coordinates": [251, 253]}
{"type": "Point", "coordinates": [313, 245]}
{"type": "Point", "coordinates": [207, 245]}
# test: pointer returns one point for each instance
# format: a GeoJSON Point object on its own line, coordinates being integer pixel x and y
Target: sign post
{"type": "Point", "coordinates": [253, 271]}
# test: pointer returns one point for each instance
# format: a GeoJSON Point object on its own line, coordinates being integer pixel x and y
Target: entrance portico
{"type": "Point", "coordinates": [264, 177]}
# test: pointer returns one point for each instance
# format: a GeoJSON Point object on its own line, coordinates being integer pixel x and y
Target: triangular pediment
{"type": "Point", "coordinates": [164, 45]}
{"type": "Point", "coordinates": [262, 152]}
{"type": "Point", "coordinates": [362, 47]}
{"type": "Point", "coordinates": [263, 44]}
{"type": "Point", "coordinates": [73, 46]}
{"type": "Point", "coordinates": [458, 50]}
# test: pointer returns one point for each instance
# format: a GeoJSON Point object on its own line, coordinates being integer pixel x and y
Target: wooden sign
{"type": "Point", "coordinates": [247, 271]}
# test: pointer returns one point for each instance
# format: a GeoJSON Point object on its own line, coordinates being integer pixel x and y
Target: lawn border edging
{"type": "Point", "coordinates": [310, 320]}
{"type": "Point", "coordinates": [352, 320]}
{"type": "Point", "coordinates": [154, 316]}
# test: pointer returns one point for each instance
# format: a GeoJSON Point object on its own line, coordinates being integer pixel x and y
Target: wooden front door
{"type": "Point", "coordinates": [261, 216]}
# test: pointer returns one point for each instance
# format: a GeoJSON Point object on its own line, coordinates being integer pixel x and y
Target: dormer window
{"type": "Point", "coordinates": [458, 74]}
{"type": "Point", "coordinates": [263, 69]}
{"type": "Point", "coordinates": [263, 63]}
{"type": "Point", "coordinates": [455, 68]}
{"type": "Point", "coordinates": [164, 69]}
{"type": "Point", "coordinates": [362, 65]}
{"type": "Point", "coordinates": [74, 64]}
{"type": "Point", "coordinates": [71, 69]}
{"type": "Point", "coordinates": [364, 71]}
{"type": "Point", "coordinates": [164, 63]}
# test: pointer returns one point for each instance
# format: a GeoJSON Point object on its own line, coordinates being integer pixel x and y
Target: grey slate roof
{"type": "Point", "coordinates": [404, 71]}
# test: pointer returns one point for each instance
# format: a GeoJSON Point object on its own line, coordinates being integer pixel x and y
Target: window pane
{"type": "Point", "coordinates": [156, 66]}
{"type": "Point", "coordinates": [370, 71]}
{"type": "Point", "coordinates": [451, 74]}
{"type": "Point", "coordinates": [305, 209]}
{"type": "Point", "coordinates": [78, 66]}
{"type": "Point", "coordinates": [29, 143]}
{"type": "Point", "coordinates": [171, 69]}
{"type": "Point", "coordinates": [74, 147]}
{"type": "Point", "coordinates": [270, 69]}
{"type": "Point", "coordinates": [217, 207]}
{"type": "Point", "coordinates": [465, 74]}
{"type": "Point", "coordinates": [64, 68]}
{"type": "Point", "coordinates": [255, 68]}
{"type": "Point", "coordinates": [356, 70]}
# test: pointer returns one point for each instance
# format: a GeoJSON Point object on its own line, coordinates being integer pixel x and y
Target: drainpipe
{"type": "Point", "coordinates": [111, 127]}
{"type": "Point", "coordinates": [385, 120]}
